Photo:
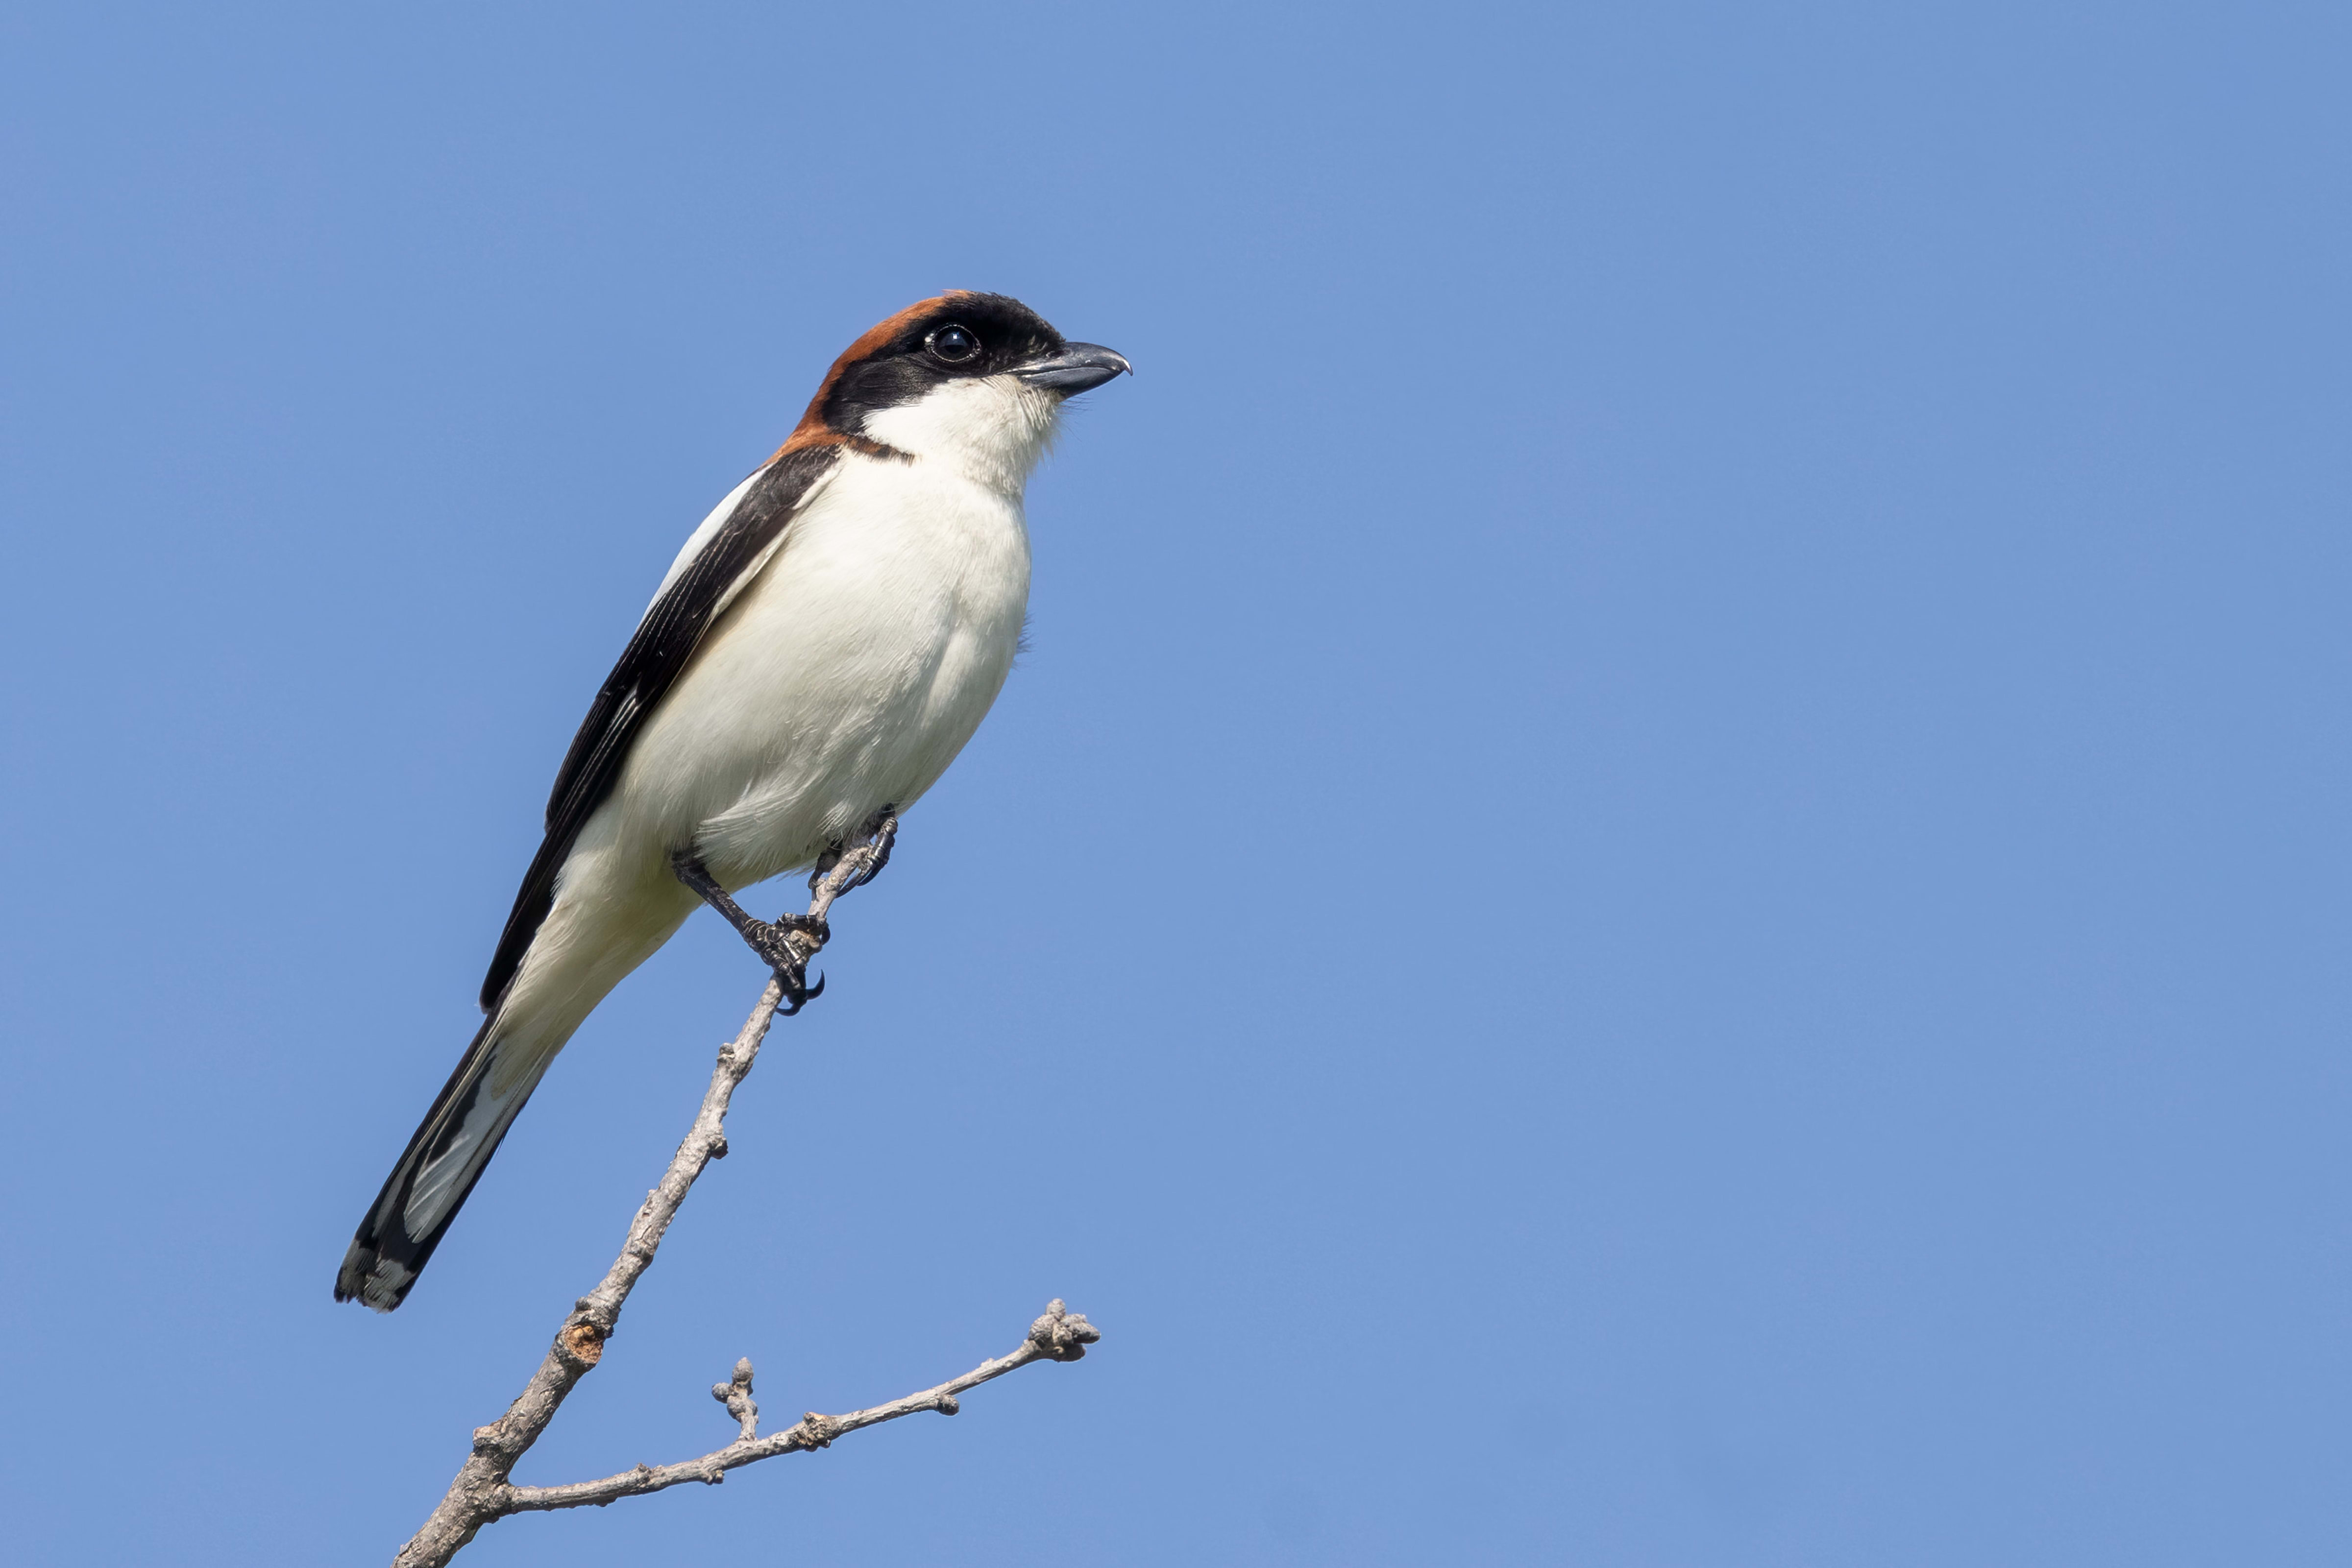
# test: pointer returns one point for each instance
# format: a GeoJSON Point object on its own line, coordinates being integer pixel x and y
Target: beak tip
{"type": "Point", "coordinates": [1076, 368]}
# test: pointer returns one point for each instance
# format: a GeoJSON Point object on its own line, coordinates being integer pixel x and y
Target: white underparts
{"type": "Point", "coordinates": [846, 673]}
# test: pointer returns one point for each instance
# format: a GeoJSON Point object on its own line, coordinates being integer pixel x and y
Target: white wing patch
{"type": "Point", "coordinates": [698, 541]}
{"type": "Point", "coordinates": [701, 535]}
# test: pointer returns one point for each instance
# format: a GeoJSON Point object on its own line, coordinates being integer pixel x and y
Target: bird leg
{"type": "Point", "coordinates": [788, 942]}
{"type": "Point", "coordinates": [785, 944]}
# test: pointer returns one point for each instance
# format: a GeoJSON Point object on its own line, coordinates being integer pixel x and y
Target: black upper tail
{"type": "Point", "coordinates": [392, 1244]}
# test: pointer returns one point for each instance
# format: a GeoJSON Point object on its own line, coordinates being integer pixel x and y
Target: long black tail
{"type": "Point", "coordinates": [444, 1159]}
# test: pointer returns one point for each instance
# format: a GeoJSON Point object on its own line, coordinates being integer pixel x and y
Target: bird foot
{"type": "Point", "coordinates": [787, 943]}
{"type": "Point", "coordinates": [855, 865]}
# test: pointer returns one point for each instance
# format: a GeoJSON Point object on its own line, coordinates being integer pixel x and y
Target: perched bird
{"type": "Point", "coordinates": [821, 650]}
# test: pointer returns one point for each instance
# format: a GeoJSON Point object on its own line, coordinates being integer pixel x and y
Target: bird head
{"type": "Point", "coordinates": [976, 380]}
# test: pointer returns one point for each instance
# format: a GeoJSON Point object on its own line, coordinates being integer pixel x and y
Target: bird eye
{"type": "Point", "coordinates": [953, 343]}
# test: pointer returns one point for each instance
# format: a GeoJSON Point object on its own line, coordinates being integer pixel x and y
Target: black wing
{"type": "Point", "coordinates": [655, 656]}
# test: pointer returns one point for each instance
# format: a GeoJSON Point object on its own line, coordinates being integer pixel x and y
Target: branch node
{"type": "Point", "coordinates": [947, 1404]}
{"type": "Point", "coordinates": [1062, 1334]}
{"type": "Point", "coordinates": [718, 1146]}
{"type": "Point", "coordinates": [815, 1431]}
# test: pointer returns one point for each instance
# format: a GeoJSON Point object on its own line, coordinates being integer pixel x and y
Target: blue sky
{"type": "Point", "coordinates": [1667, 886]}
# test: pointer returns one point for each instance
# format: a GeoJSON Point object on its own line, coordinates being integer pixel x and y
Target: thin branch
{"type": "Point", "coordinates": [1059, 1335]}
{"type": "Point", "coordinates": [481, 1493]}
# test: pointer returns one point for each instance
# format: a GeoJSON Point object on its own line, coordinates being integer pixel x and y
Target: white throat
{"type": "Point", "coordinates": [993, 428]}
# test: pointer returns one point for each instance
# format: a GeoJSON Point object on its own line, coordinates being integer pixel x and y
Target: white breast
{"type": "Point", "coordinates": [846, 677]}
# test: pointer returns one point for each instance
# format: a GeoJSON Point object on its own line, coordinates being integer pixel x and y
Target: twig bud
{"type": "Point", "coordinates": [1063, 1334]}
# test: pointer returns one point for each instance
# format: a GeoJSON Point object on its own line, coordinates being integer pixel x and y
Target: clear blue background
{"type": "Point", "coordinates": [1669, 884]}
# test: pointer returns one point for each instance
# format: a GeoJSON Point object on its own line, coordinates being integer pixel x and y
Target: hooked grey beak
{"type": "Point", "coordinates": [1075, 367]}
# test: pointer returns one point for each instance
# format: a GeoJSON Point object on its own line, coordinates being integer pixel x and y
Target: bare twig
{"type": "Point", "coordinates": [482, 1493]}
{"type": "Point", "coordinates": [1059, 1335]}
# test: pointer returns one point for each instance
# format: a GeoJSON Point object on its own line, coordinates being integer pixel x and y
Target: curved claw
{"type": "Point", "coordinates": [799, 997]}
{"type": "Point", "coordinates": [874, 864]}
